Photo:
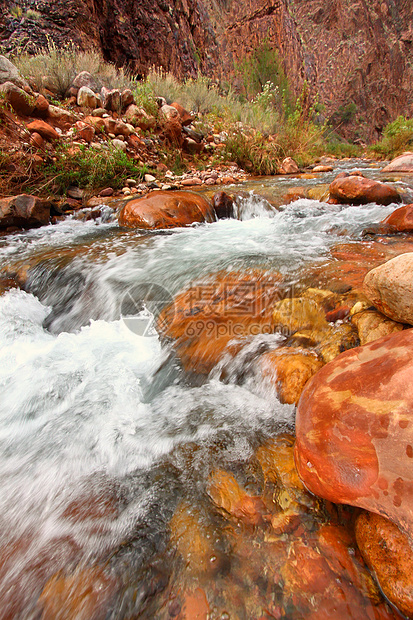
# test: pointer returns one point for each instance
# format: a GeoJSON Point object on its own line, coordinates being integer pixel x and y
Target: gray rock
{"type": "Point", "coordinates": [9, 73]}
{"type": "Point", "coordinates": [86, 79]}
{"type": "Point", "coordinates": [118, 144]}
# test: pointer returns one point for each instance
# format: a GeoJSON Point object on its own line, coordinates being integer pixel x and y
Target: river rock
{"type": "Point", "coordinates": [402, 163]}
{"type": "Point", "coordinates": [232, 499]}
{"type": "Point", "coordinates": [354, 429]}
{"type": "Point", "coordinates": [289, 369]}
{"type": "Point", "coordinates": [401, 220]}
{"type": "Point", "coordinates": [82, 595]}
{"type": "Point", "coordinates": [44, 129]}
{"type": "Point", "coordinates": [390, 288]}
{"type": "Point", "coordinates": [20, 101]}
{"type": "Point", "coordinates": [166, 210]}
{"type": "Point", "coordinates": [223, 205]}
{"type": "Point", "coordinates": [372, 325]}
{"type": "Point", "coordinates": [389, 554]}
{"type": "Point", "coordinates": [357, 190]}
{"type": "Point", "coordinates": [24, 211]}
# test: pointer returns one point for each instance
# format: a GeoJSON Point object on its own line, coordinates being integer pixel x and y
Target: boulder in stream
{"type": "Point", "coordinates": [163, 209]}
{"type": "Point", "coordinates": [24, 211]}
{"type": "Point", "coordinates": [357, 190]}
{"type": "Point", "coordinates": [401, 163]}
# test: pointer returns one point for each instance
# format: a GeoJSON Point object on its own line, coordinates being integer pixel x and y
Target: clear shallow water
{"type": "Point", "coordinates": [91, 414]}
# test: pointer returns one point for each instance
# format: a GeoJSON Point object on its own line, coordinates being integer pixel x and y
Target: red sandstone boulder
{"type": "Point", "coordinates": [185, 116]}
{"type": "Point", "coordinates": [390, 288]}
{"type": "Point", "coordinates": [389, 554]}
{"type": "Point", "coordinates": [44, 129]}
{"type": "Point", "coordinates": [166, 210]}
{"type": "Point", "coordinates": [358, 190]}
{"type": "Point", "coordinates": [401, 220]}
{"type": "Point", "coordinates": [20, 101]}
{"type": "Point", "coordinates": [355, 429]}
{"type": "Point", "coordinates": [402, 163]}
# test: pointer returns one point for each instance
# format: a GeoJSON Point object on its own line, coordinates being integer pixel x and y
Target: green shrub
{"type": "Point", "coordinates": [90, 168]}
{"type": "Point", "coordinates": [397, 138]}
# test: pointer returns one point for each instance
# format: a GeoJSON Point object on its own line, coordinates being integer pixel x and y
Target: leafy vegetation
{"type": "Point", "coordinates": [397, 138]}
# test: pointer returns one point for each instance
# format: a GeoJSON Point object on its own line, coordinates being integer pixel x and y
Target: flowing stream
{"type": "Point", "coordinates": [102, 434]}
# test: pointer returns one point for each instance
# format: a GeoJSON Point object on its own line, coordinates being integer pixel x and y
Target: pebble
{"type": "Point", "coordinates": [149, 178]}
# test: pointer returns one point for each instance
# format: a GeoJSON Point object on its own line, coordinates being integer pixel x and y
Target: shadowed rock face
{"type": "Point", "coordinates": [352, 52]}
{"type": "Point", "coordinates": [354, 429]}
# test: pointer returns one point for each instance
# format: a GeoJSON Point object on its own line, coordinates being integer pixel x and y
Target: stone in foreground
{"type": "Point", "coordinates": [389, 554]}
{"type": "Point", "coordinates": [355, 429]}
{"type": "Point", "coordinates": [166, 210]}
{"type": "Point", "coordinates": [390, 288]}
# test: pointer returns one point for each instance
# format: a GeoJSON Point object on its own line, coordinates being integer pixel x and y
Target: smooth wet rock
{"type": "Point", "coordinates": [354, 429]}
{"type": "Point", "coordinates": [359, 190]}
{"type": "Point", "coordinates": [231, 498]}
{"type": "Point", "coordinates": [372, 325]}
{"type": "Point", "coordinates": [389, 554]}
{"type": "Point", "coordinates": [401, 220]}
{"type": "Point", "coordinates": [219, 312]}
{"type": "Point", "coordinates": [289, 369]}
{"type": "Point", "coordinates": [298, 313]}
{"type": "Point", "coordinates": [24, 211]}
{"type": "Point", "coordinates": [82, 595]}
{"type": "Point", "coordinates": [402, 163]}
{"type": "Point", "coordinates": [390, 288]}
{"type": "Point", "coordinates": [166, 210]}
{"type": "Point", "coordinates": [223, 205]}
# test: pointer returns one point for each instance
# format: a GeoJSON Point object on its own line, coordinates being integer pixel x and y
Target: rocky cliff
{"type": "Point", "coordinates": [357, 54]}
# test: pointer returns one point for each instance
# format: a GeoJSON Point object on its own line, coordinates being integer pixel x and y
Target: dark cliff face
{"type": "Point", "coordinates": [357, 54]}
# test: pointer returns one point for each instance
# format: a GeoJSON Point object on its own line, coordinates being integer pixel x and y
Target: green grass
{"type": "Point", "coordinates": [397, 138]}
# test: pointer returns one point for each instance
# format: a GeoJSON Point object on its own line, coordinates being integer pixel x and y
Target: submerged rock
{"type": "Point", "coordinates": [389, 554]}
{"type": "Point", "coordinates": [163, 209]}
{"type": "Point", "coordinates": [372, 325]}
{"type": "Point", "coordinates": [289, 369]}
{"type": "Point", "coordinates": [390, 288]}
{"type": "Point", "coordinates": [355, 429]}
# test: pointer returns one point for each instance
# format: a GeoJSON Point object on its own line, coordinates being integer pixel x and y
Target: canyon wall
{"type": "Point", "coordinates": [356, 54]}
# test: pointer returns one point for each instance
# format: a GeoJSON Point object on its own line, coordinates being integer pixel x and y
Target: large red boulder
{"type": "Point", "coordinates": [166, 210]}
{"type": "Point", "coordinates": [355, 429]}
{"type": "Point", "coordinates": [401, 220]}
{"type": "Point", "coordinates": [359, 190]}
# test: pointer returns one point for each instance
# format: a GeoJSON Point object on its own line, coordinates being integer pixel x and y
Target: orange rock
{"type": "Point", "coordinates": [97, 123]}
{"type": "Point", "coordinates": [83, 595]}
{"type": "Point", "coordinates": [84, 131]}
{"type": "Point", "coordinates": [389, 553]}
{"type": "Point", "coordinates": [372, 325]}
{"type": "Point", "coordinates": [225, 307]}
{"type": "Point", "coordinates": [358, 190]}
{"type": "Point", "coordinates": [401, 220]}
{"type": "Point", "coordinates": [185, 116]}
{"type": "Point", "coordinates": [195, 606]}
{"type": "Point", "coordinates": [229, 496]}
{"type": "Point", "coordinates": [166, 210]}
{"type": "Point", "coordinates": [42, 106]}
{"type": "Point", "coordinates": [37, 140]}
{"type": "Point", "coordinates": [44, 129]}
{"type": "Point", "coordinates": [293, 194]}
{"type": "Point", "coordinates": [289, 369]}
{"type": "Point", "coordinates": [354, 429]}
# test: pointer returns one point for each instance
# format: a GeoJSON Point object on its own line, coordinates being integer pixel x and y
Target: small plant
{"type": "Point", "coordinates": [397, 138]}
{"type": "Point", "coordinates": [145, 97]}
